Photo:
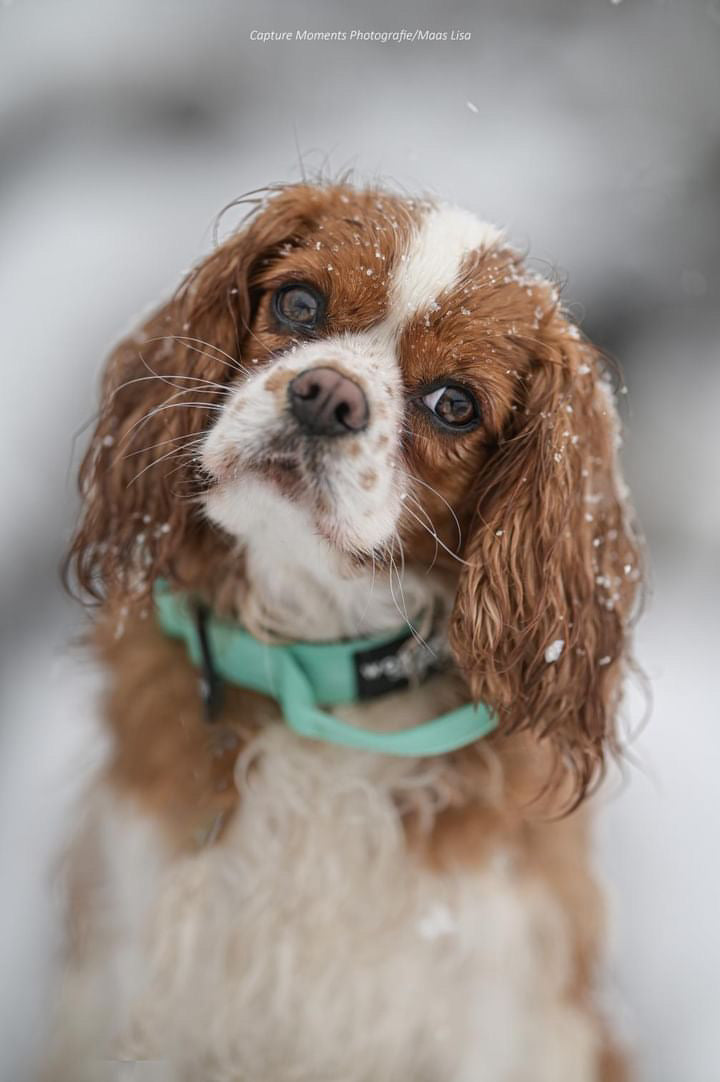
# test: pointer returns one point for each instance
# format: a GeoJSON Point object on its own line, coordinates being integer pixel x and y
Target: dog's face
{"type": "Point", "coordinates": [367, 396]}
{"type": "Point", "coordinates": [389, 370]}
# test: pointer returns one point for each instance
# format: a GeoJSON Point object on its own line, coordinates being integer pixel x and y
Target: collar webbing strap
{"type": "Point", "coordinates": [302, 675]}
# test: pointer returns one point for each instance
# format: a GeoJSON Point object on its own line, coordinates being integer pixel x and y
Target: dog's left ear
{"type": "Point", "coordinates": [540, 624]}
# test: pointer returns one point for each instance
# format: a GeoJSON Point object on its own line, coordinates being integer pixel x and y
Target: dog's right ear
{"type": "Point", "coordinates": [161, 390]}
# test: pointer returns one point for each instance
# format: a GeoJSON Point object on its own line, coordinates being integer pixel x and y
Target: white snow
{"type": "Point", "coordinates": [554, 650]}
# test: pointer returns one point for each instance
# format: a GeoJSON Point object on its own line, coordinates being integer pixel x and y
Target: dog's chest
{"type": "Point", "coordinates": [313, 943]}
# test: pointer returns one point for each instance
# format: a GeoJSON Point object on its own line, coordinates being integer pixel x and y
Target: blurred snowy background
{"type": "Point", "coordinates": [594, 135]}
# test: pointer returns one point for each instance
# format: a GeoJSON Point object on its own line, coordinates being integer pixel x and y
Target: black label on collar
{"type": "Point", "coordinates": [395, 665]}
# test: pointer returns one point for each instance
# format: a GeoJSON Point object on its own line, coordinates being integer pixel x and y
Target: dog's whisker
{"type": "Point", "coordinates": [372, 586]}
{"type": "Point", "coordinates": [236, 366]}
{"type": "Point", "coordinates": [415, 435]}
{"type": "Point", "coordinates": [249, 331]}
{"type": "Point", "coordinates": [402, 611]}
{"type": "Point", "coordinates": [419, 481]}
{"type": "Point", "coordinates": [141, 421]}
{"type": "Point", "coordinates": [192, 343]}
{"type": "Point", "coordinates": [403, 615]}
{"type": "Point", "coordinates": [430, 529]}
{"type": "Point", "coordinates": [163, 378]}
{"type": "Point", "coordinates": [135, 429]}
{"type": "Point", "coordinates": [174, 405]}
{"type": "Point", "coordinates": [187, 436]}
{"type": "Point", "coordinates": [439, 540]}
{"type": "Point", "coordinates": [181, 451]}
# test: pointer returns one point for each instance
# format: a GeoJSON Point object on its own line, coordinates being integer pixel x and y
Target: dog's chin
{"type": "Point", "coordinates": [283, 474]}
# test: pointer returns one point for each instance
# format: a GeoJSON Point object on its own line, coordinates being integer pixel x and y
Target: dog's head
{"type": "Point", "coordinates": [387, 372]}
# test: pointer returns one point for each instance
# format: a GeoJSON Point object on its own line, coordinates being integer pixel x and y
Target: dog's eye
{"type": "Point", "coordinates": [298, 307]}
{"type": "Point", "coordinates": [453, 407]}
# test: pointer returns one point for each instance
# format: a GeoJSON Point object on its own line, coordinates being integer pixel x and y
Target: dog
{"type": "Point", "coordinates": [365, 572]}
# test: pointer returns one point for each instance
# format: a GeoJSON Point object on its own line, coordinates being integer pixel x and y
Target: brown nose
{"type": "Point", "coordinates": [326, 403]}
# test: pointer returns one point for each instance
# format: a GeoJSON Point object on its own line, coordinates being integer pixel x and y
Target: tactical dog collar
{"type": "Point", "coordinates": [302, 676]}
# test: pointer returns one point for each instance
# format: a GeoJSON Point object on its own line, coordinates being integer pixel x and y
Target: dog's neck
{"type": "Point", "coordinates": [298, 587]}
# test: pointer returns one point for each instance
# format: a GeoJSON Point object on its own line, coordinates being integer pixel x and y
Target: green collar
{"type": "Point", "coordinates": [301, 675]}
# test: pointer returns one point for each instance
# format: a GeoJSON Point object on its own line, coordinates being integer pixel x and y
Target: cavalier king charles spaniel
{"type": "Point", "coordinates": [364, 571]}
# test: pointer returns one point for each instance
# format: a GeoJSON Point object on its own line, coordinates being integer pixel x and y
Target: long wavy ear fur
{"type": "Point", "coordinates": [540, 626]}
{"type": "Point", "coordinates": [161, 389]}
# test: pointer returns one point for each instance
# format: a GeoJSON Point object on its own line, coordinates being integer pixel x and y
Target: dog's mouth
{"type": "Point", "coordinates": [283, 471]}
{"type": "Point", "coordinates": [292, 469]}
{"type": "Point", "coordinates": [337, 483]}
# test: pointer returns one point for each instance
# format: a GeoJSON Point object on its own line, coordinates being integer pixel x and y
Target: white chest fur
{"type": "Point", "coordinates": [311, 944]}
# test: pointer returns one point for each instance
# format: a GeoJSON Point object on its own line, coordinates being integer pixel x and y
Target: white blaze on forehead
{"type": "Point", "coordinates": [435, 257]}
